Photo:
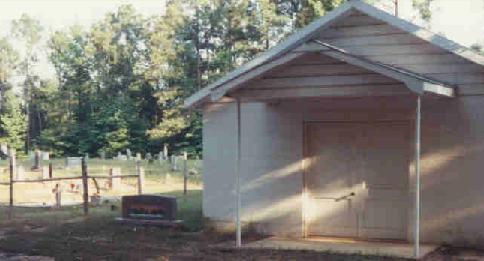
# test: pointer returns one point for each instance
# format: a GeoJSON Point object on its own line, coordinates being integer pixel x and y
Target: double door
{"type": "Point", "coordinates": [356, 179]}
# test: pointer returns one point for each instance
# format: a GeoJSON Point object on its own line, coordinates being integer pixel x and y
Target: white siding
{"type": "Point", "coordinates": [270, 168]}
{"type": "Point", "coordinates": [219, 143]}
{"type": "Point", "coordinates": [387, 44]}
{"type": "Point", "coordinates": [272, 144]}
{"type": "Point", "coordinates": [452, 177]}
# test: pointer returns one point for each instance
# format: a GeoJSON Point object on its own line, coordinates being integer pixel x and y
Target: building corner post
{"type": "Point", "coordinates": [238, 229]}
{"type": "Point", "coordinates": [418, 119]}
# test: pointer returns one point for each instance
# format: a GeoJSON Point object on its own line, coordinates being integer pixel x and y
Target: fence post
{"type": "Point", "coordinates": [12, 169]}
{"type": "Point", "coordinates": [141, 176]}
{"type": "Point", "coordinates": [85, 187]}
{"type": "Point", "coordinates": [50, 169]}
{"type": "Point", "coordinates": [185, 172]}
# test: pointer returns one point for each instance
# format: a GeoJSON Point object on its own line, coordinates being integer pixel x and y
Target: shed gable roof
{"type": "Point", "coordinates": [281, 52]}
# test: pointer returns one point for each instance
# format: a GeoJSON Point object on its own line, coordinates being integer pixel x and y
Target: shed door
{"type": "Point", "coordinates": [357, 179]}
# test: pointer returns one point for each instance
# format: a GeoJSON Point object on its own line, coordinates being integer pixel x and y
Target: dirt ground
{"type": "Point", "coordinates": [131, 243]}
{"type": "Point", "coordinates": [65, 234]}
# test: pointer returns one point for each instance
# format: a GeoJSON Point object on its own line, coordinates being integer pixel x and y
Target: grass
{"type": "Point", "coordinates": [66, 234]}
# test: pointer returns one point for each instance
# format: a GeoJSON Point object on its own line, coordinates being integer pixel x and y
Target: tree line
{"type": "Point", "coordinates": [121, 82]}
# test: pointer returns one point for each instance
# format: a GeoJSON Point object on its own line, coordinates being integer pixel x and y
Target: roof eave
{"type": "Point", "coordinates": [292, 41]}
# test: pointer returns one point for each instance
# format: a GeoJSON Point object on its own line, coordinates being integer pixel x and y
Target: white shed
{"type": "Point", "coordinates": [321, 135]}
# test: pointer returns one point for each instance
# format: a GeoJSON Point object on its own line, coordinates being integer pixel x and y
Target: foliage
{"type": "Point", "coordinates": [12, 121]}
{"type": "Point", "coordinates": [29, 32]}
{"type": "Point", "coordinates": [423, 7]}
{"type": "Point", "coordinates": [120, 83]}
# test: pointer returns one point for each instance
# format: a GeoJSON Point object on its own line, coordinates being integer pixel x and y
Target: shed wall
{"type": "Point", "coordinates": [452, 171]}
{"type": "Point", "coordinates": [272, 137]}
{"type": "Point", "coordinates": [272, 152]}
{"type": "Point", "coordinates": [270, 166]}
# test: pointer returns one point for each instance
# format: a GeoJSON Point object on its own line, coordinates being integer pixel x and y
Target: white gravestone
{"type": "Point", "coordinates": [174, 163]}
{"type": "Point", "coordinates": [165, 152]}
{"type": "Point", "coordinates": [20, 174]}
{"type": "Point", "coordinates": [72, 162]}
{"type": "Point", "coordinates": [45, 172]}
{"type": "Point", "coordinates": [45, 156]}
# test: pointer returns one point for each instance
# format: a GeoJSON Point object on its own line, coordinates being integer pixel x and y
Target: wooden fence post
{"type": "Point", "coordinates": [114, 183]}
{"type": "Point", "coordinates": [141, 176]}
{"type": "Point", "coordinates": [185, 172]}
{"type": "Point", "coordinates": [12, 169]}
{"type": "Point", "coordinates": [85, 187]}
{"type": "Point", "coordinates": [50, 169]}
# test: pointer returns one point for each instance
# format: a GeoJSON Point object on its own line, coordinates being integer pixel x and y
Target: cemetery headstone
{"type": "Point", "coordinates": [174, 163]}
{"type": "Point", "coordinates": [128, 154]}
{"type": "Point", "coordinates": [122, 157]}
{"type": "Point", "coordinates": [138, 156]}
{"type": "Point", "coordinates": [149, 157]}
{"type": "Point", "coordinates": [45, 155]}
{"type": "Point", "coordinates": [119, 155]}
{"type": "Point", "coordinates": [165, 151]}
{"type": "Point", "coordinates": [102, 154]}
{"type": "Point", "coordinates": [20, 173]}
{"type": "Point", "coordinates": [45, 172]}
{"type": "Point", "coordinates": [86, 156]}
{"type": "Point", "coordinates": [73, 162]}
{"type": "Point", "coordinates": [150, 207]}
{"type": "Point", "coordinates": [160, 157]}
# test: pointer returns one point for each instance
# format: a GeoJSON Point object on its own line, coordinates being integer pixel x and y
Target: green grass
{"type": "Point", "coordinates": [66, 235]}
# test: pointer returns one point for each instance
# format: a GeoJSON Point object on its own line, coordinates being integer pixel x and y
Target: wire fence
{"type": "Point", "coordinates": [90, 178]}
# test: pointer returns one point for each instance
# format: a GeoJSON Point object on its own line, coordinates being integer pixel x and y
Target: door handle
{"type": "Point", "coordinates": [352, 194]}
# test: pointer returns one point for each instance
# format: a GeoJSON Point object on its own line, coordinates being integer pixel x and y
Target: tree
{"type": "Point", "coordinates": [423, 7]}
{"type": "Point", "coordinates": [28, 31]}
{"type": "Point", "coordinates": [8, 61]}
{"type": "Point", "coordinates": [12, 121]}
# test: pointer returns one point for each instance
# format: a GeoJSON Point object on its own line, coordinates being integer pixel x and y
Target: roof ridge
{"type": "Point", "coordinates": [308, 32]}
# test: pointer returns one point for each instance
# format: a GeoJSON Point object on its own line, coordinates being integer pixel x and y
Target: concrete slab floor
{"type": "Point", "coordinates": [343, 245]}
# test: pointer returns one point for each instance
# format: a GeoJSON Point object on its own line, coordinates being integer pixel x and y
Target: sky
{"type": "Point", "coordinates": [459, 20]}
{"type": "Point", "coordinates": [58, 14]}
